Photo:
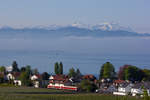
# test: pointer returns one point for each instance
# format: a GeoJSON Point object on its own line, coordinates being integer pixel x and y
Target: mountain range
{"type": "Point", "coordinates": [77, 30]}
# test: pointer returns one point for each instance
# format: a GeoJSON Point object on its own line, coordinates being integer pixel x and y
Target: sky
{"type": "Point", "coordinates": [26, 13]}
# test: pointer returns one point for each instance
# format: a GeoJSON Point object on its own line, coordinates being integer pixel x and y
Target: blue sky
{"type": "Point", "coordinates": [20, 13]}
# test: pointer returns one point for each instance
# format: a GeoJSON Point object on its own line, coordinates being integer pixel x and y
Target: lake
{"type": "Point", "coordinates": [87, 54]}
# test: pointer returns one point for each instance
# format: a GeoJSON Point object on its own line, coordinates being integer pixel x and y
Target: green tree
{"type": "Point", "coordinates": [15, 66]}
{"type": "Point", "coordinates": [87, 86]}
{"type": "Point", "coordinates": [56, 68]}
{"type": "Point", "coordinates": [107, 71]}
{"type": "Point", "coordinates": [61, 68]}
{"type": "Point", "coordinates": [45, 76]}
{"type": "Point", "coordinates": [2, 69]}
{"type": "Point", "coordinates": [146, 75]}
{"type": "Point", "coordinates": [121, 72]}
{"type": "Point", "coordinates": [101, 72]}
{"type": "Point", "coordinates": [25, 78]}
{"type": "Point", "coordinates": [131, 73]}
{"type": "Point", "coordinates": [72, 72]}
{"type": "Point", "coordinates": [78, 73]}
{"type": "Point", "coordinates": [23, 69]}
{"type": "Point", "coordinates": [28, 70]}
{"type": "Point", "coordinates": [1, 78]}
{"type": "Point", "coordinates": [35, 71]}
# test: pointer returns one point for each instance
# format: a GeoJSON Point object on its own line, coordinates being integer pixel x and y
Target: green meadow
{"type": "Point", "coordinates": [26, 93]}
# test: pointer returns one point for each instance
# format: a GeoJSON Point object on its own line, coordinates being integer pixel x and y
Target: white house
{"type": "Point", "coordinates": [112, 89]}
{"type": "Point", "coordinates": [137, 89]}
{"type": "Point", "coordinates": [10, 76]}
{"type": "Point", "coordinates": [17, 82]}
{"type": "Point", "coordinates": [124, 89]}
{"type": "Point", "coordinates": [36, 80]}
{"type": "Point", "coordinates": [34, 77]}
{"type": "Point", "coordinates": [14, 77]}
{"type": "Point", "coordinates": [9, 69]}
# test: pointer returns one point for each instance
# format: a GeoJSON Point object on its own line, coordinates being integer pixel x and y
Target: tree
{"type": "Point", "coordinates": [2, 69]}
{"type": "Point", "coordinates": [23, 69]}
{"type": "Point", "coordinates": [87, 86]}
{"type": "Point", "coordinates": [101, 72]}
{"type": "Point", "coordinates": [35, 71]}
{"type": "Point", "coordinates": [78, 73]}
{"type": "Point", "coordinates": [131, 73]}
{"type": "Point", "coordinates": [61, 68]}
{"type": "Point", "coordinates": [25, 78]}
{"type": "Point", "coordinates": [56, 68]}
{"type": "Point", "coordinates": [28, 70]}
{"type": "Point", "coordinates": [15, 66]}
{"type": "Point", "coordinates": [107, 71]}
{"type": "Point", "coordinates": [2, 78]}
{"type": "Point", "coordinates": [121, 73]}
{"type": "Point", "coordinates": [146, 75]}
{"type": "Point", "coordinates": [45, 76]}
{"type": "Point", "coordinates": [25, 75]}
{"type": "Point", "coordinates": [72, 72]}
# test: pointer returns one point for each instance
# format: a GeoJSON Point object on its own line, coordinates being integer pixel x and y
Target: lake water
{"type": "Point", "coordinates": [87, 63]}
{"type": "Point", "coordinates": [87, 54]}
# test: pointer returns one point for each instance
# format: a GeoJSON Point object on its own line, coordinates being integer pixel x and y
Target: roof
{"type": "Point", "coordinates": [146, 85]}
{"type": "Point", "coordinates": [119, 81]}
{"type": "Point", "coordinates": [38, 75]}
{"type": "Point", "coordinates": [58, 77]}
{"type": "Point", "coordinates": [124, 85]}
{"type": "Point", "coordinates": [137, 85]}
{"type": "Point", "coordinates": [90, 76]}
{"type": "Point", "coordinates": [142, 85]}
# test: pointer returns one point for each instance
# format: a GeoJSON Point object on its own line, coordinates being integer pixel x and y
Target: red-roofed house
{"type": "Point", "coordinates": [61, 82]}
{"type": "Point", "coordinates": [89, 77]}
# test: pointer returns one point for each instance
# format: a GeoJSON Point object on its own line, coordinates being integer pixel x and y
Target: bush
{"type": "Point", "coordinates": [6, 85]}
{"type": "Point", "coordinates": [87, 86]}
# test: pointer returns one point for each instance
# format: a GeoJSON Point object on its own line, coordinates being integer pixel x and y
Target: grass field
{"type": "Point", "coordinates": [25, 93]}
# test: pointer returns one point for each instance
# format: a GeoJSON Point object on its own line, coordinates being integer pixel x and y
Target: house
{"type": "Point", "coordinates": [119, 82]}
{"type": "Point", "coordinates": [35, 77]}
{"type": "Point", "coordinates": [17, 82]}
{"type": "Point", "coordinates": [61, 82]}
{"type": "Point", "coordinates": [126, 88]}
{"type": "Point", "coordinates": [112, 88]}
{"type": "Point", "coordinates": [147, 87]}
{"type": "Point", "coordinates": [9, 69]}
{"type": "Point", "coordinates": [89, 77]}
{"type": "Point", "coordinates": [36, 80]}
{"type": "Point", "coordinates": [137, 89]}
{"type": "Point", "coordinates": [123, 89]}
{"type": "Point", "coordinates": [14, 77]}
{"type": "Point", "coordinates": [10, 76]}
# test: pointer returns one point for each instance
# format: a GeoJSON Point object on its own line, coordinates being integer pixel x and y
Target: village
{"type": "Point", "coordinates": [75, 81]}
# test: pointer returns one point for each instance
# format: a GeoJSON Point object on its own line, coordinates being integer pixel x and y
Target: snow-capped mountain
{"type": "Point", "coordinates": [76, 29]}
{"type": "Point", "coordinates": [106, 26]}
